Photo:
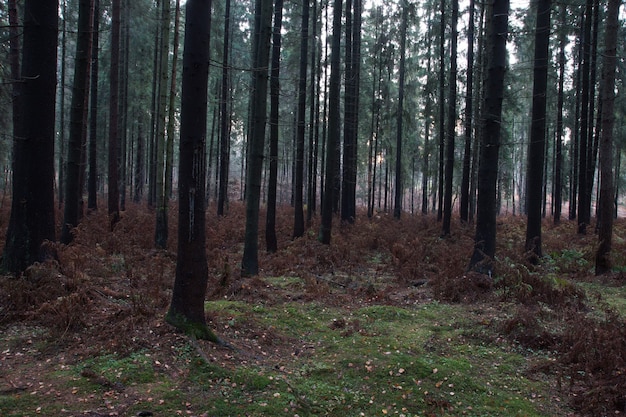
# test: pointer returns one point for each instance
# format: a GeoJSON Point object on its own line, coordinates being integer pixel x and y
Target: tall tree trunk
{"type": "Point", "coordinates": [224, 144]}
{"type": "Point", "coordinates": [260, 59]}
{"type": "Point", "coordinates": [62, 113]}
{"type": "Point", "coordinates": [442, 109]}
{"type": "Point", "coordinates": [351, 122]}
{"type": "Point", "coordinates": [123, 102]}
{"type": "Point", "coordinates": [114, 195]}
{"type": "Point", "coordinates": [485, 238]}
{"type": "Point", "coordinates": [605, 235]}
{"type": "Point", "coordinates": [155, 109]}
{"type": "Point", "coordinates": [161, 227]}
{"type": "Point", "coordinates": [186, 310]}
{"type": "Point", "coordinates": [78, 121]}
{"type": "Point", "coordinates": [558, 157]}
{"type": "Point", "coordinates": [333, 127]}
{"type": "Point", "coordinates": [32, 208]}
{"type": "Point", "coordinates": [469, 114]}
{"type": "Point", "coordinates": [397, 207]}
{"type": "Point", "coordinates": [169, 151]}
{"type": "Point", "coordinates": [314, 123]}
{"type": "Point", "coordinates": [270, 220]}
{"type": "Point", "coordinates": [298, 222]}
{"type": "Point", "coordinates": [451, 126]}
{"type": "Point", "coordinates": [537, 143]}
{"type": "Point", "coordinates": [92, 181]}
{"type": "Point", "coordinates": [584, 198]}
{"type": "Point", "coordinates": [427, 124]}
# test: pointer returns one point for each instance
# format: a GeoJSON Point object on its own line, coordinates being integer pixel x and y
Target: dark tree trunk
{"type": "Point", "coordinates": [314, 118]}
{"type": "Point", "coordinates": [114, 195]}
{"type": "Point", "coordinates": [32, 209]}
{"type": "Point", "coordinates": [605, 235]}
{"type": "Point", "coordinates": [584, 198]}
{"type": "Point", "coordinates": [351, 122]}
{"type": "Point", "coordinates": [270, 220]}
{"type": "Point", "coordinates": [442, 109]}
{"type": "Point", "coordinates": [558, 157]}
{"type": "Point", "coordinates": [224, 144]}
{"type": "Point", "coordinates": [161, 226]}
{"type": "Point", "coordinates": [469, 114]}
{"type": "Point", "coordinates": [485, 239]}
{"type": "Point", "coordinates": [397, 207]}
{"type": "Point", "coordinates": [333, 127]}
{"type": "Point", "coordinates": [92, 180]}
{"type": "Point", "coordinates": [123, 101]}
{"type": "Point", "coordinates": [298, 222]}
{"type": "Point", "coordinates": [537, 143]}
{"type": "Point", "coordinates": [260, 59]}
{"type": "Point", "coordinates": [171, 118]}
{"type": "Point", "coordinates": [186, 310]}
{"type": "Point", "coordinates": [78, 122]}
{"type": "Point", "coordinates": [451, 127]}
{"type": "Point", "coordinates": [62, 113]}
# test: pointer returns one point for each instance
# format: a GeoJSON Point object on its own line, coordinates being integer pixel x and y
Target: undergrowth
{"type": "Point", "coordinates": [387, 291]}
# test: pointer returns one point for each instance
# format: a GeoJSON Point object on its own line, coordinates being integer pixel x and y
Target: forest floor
{"type": "Point", "coordinates": [384, 321]}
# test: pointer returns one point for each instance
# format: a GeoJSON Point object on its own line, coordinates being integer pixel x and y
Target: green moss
{"type": "Point", "coordinates": [191, 328]}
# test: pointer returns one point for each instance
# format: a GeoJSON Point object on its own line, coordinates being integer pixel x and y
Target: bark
{"type": "Point", "coordinates": [78, 122]}
{"type": "Point", "coordinates": [603, 260]}
{"type": "Point", "coordinates": [399, 191]}
{"type": "Point", "coordinates": [32, 220]}
{"type": "Point", "coordinates": [451, 126]}
{"type": "Point", "coordinates": [537, 144]}
{"type": "Point", "coordinates": [260, 59]}
{"type": "Point", "coordinates": [186, 310]}
{"type": "Point", "coordinates": [113, 196]}
{"type": "Point", "coordinates": [161, 227]}
{"type": "Point", "coordinates": [298, 222]}
{"type": "Point", "coordinates": [92, 180]}
{"type": "Point", "coordinates": [442, 109]}
{"type": "Point", "coordinates": [469, 114]}
{"type": "Point", "coordinates": [485, 238]}
{"type": "Point", "coordinates": [224, 144]}
{"type": "Point", "coordinates": [270, 221]}
{"type": "Point", "coordinates": [333, 127]}
{"type": "Point", "coordinates": [558, 161]}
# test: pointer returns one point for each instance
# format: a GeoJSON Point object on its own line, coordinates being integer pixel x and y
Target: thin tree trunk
{"type": "Point", "coordinates": [224, 144]}
{"type": "Point", "coordinates": [113, 196]}
{"type": "Point", "coordinates": [397, 210]}
{"type": "Point", "coordinates": [92, 180]}
{"type": "Point", "coordinates": [469, 114]}
{"type": "Point", "coordinates": [605, 235]}
{"type": "Point", "coordinates": [78, 121]}
{"type": "Point", "coordinates": [298, 223]}
{"type": "Point", "coordinates": [270, 220]}
{"type": "Point", "coordinates": [485, 238]}
{"type": "Point", "coordinates": [558, 161]}
{"type": "Point", "coordinates": [451, 127]}
{"type": "Point", "coordinates": [261, 47]}
{"type": "Point", "coordinates": [333, 128]}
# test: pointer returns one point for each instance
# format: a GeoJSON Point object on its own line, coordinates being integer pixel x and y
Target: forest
{"type": "Point", "coordinates": [312, 208]}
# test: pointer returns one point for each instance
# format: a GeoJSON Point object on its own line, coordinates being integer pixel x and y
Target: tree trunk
{"type": "Point", "coordinates": [397, 207]}
{"type": "Point", "coordinates": [558, 158]}
{"type": "Point", "coordinates": [186, 310]}
{"type": "Point", "coordinates": [32, 209]}
{"type": "Point", "coordinates": [451, 128]}
{"type": "Point", "coordinates": [114, 195]}
{"type": "Point", "coordinates": [224, 144]}
{"type": "Point", "coordinates": [584, 198]}
{"type": "Point", "coordinates": [469, 114]}
{"type": "Point", "coordinates": [78, 121]}
{"type": "Point", "coordinates": [92, 180]}
{"type": "Point", "coordinates": [298, 222]}
{"type": "Point", "coordinates": [485, 238]}
{"type": "Point", "coordinates": [270, 220]}
{"type": "Point", "coordinates": [333, 127]}
{"type": "Point", "coordinates": [442, 109]}
{"type": "Point", "coordinates": [537, 143]}
{"type": "Point", "coordinates": [260, 59]}
{"type": "Point", "coordinates": [603, 260]}
{"type": "Point", "coordinates": [169, 151]}
{"type": "Point", "coordinates": [161, 227]}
